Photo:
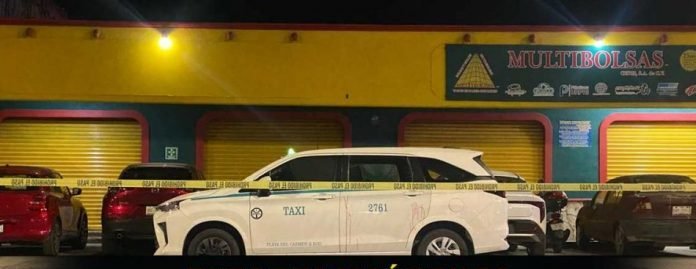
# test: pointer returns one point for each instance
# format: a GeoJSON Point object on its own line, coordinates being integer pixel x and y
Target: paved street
{"type": "Point", "coordinates": [21, 253]}
{"type": "Point", "coordinates": [606, 250]}
{"type": "Point", "coordinates": [26, 257]}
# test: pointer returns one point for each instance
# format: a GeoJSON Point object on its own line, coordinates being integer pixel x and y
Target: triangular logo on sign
{"type": "Point", "coordinates": [475, 73]}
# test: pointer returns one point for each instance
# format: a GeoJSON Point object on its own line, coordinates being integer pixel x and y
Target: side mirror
{"type": "Point", "coordinates": [263, 193]}
{"type": "Point", "coordinates": [75, 191]}
{"type": "Point", "coordinates": [441, 179]}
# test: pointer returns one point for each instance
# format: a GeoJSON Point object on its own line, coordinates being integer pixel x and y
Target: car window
{"type": "Point", "coordinates": [379, 169]}
{"type": "Point", "coordinates": [322, 168]}
{"type": "Point", "coordinates": [599, 198]}
{"type": "Point", "coordinates": [65, 190]}
{"type": "Point", "coordinates": [156, 173]}
{"type": "Point", "coordinates": [614, 197]}
{"type": "Point", "coordinates": [432, 170]}
{"type": "Point", "coordinates": [483, 165]}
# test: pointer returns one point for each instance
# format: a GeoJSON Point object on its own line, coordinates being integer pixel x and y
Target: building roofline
{"type": "Point", "coordinates": [354, 27]}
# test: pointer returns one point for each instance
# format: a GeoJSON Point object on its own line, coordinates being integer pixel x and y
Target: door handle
{"type": "Point", "coordinates": [322, 197]}
{"type": "Point", "coordinates": [413, 193]}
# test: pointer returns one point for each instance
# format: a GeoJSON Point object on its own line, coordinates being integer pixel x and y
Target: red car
{"type": "Point", "coordinates": [637, 222]}
{"type": "Point", "coordinates": [46, 216]}
{"type": "Point", "coordinates": [127, 226]}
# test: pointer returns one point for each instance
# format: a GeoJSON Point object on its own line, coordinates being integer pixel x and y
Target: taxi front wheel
{"type": "Point", "coordinates": [442, 242]}
{"type": "Point", "coordinates": [213, 242]}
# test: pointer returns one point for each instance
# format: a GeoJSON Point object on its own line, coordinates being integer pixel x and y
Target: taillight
{"type": "Point", "coordinates": [38, 202]}
{"type": "Point", "coordinates": [557, 195]}
{"type": "Point", "coordinates": [555, 216]}
{"type": "Point", "coordinates": [643, 204]}
{"type": "Point", "coordinates": [542, 209]}
{"type": "Point", "coordinates": [184, 191]}
{"type": "Point", "coordinates": [499, 193]}
{"type": "Point", "coordinates": [121, 210]}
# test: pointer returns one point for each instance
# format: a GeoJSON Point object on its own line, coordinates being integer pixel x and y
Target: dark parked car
{"type": "Point", "coordinates": [45, 216]}
{"type": "Point", "coordinates": [127, 226]}
{"type": "Point", "coordinates": [639, 222]}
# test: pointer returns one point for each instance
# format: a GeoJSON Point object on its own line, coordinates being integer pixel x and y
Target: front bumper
{"type": "Point", "coordinates": [523, 232]}
{"type": "Point", "coordinates": [24, 229]}
{"type": "Point", "coordinates": [662, 232]}
{"type": "Point", "coordinates": [170, 233]}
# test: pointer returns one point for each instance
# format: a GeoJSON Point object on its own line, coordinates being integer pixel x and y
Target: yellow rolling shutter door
{"type": "Point", "coordinates": [651, 148]}
{"type": "Point", "coordinates": [515, 146]}
{"type": "Point", "coordinates": [75, 148]}
{"type": "Point", "coordinates": [235, 149]}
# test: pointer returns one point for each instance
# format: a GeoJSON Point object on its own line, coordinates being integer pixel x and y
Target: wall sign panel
{"type": "Point", "coordinates": [570, 73]}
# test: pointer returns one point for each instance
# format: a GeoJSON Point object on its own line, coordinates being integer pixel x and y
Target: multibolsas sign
{"type": "Point", "coordinates": [583, 59]}
{"type": "Point", "coordinates": [570, 73]}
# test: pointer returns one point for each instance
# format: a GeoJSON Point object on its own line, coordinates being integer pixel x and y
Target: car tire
{"type": "Point", "coordinates": [557, 246]}
{"type": "Point", "coordinates": [536, 249]}
{"type": "Point", "coordinates": [51, 245]}
{"type": "Point", "coordinates": [648, 250]}
{"type": "Point", "coordinates": [213, 242]}
{"type": "Point", "coordinates": [437, 239]}
{"type": "Point", "coordinates": [80, 242]}
{"type": "Point", "coordinates": [621, 246]}
{"type": "Point", "coordinates": [581, 239]}
{"type": "Point", "coordinates": [112, 247]}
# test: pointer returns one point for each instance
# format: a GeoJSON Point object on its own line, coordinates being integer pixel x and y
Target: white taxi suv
{"type": "Point", "coordinates": [343, 222]}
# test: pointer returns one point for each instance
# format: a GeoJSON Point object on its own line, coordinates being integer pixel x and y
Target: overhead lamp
{"type": "Point", "coordinates": [599, 41]}
{"type": "Point", "coordinates": [165, 42]}
{"type": "Point", "coordinates": [531, 38]}
{"type": "Point", "coordinates": [466, 38]}
{"type": "Point", "coordinates": [663, 39]}
{"type": "Point", "coordinates": [96, 34]}
{"type": "Point", "coordinates": [29, 33]}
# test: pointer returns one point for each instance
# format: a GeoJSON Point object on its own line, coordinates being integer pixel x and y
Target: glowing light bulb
{"type": "Point", "coordinates": [165, 42]}
{"type": "Point", "coordinates": [599, 43]}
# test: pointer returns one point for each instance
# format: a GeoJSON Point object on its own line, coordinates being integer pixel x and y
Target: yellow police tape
{"type": "Point", "coordinates": [314, 185]}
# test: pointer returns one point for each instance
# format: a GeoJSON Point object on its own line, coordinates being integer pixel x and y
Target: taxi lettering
{"type": "Point", "coordinates": [293, 210]}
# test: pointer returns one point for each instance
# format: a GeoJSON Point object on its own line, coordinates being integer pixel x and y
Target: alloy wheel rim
{"type": "Point", "coordinates": [213, 246]}
{"type": "Point", "coordinates": [443, 246]}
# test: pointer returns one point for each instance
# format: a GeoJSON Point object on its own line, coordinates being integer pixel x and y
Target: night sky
{"type": "Point", "coordinates": [434, 12]}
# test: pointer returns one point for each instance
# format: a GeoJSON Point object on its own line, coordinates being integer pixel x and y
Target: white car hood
{"type": "Point", "coordinates": [204, 194]}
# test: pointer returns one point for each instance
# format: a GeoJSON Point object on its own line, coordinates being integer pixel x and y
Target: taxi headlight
{"type": "Point", "coordinates": [171, 206]}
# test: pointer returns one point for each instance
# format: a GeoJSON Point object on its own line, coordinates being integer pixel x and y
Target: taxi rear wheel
{"type": "Point", "coordinates": [213, 242]}
{"type": "Point", "coordinates": [442, 242]}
